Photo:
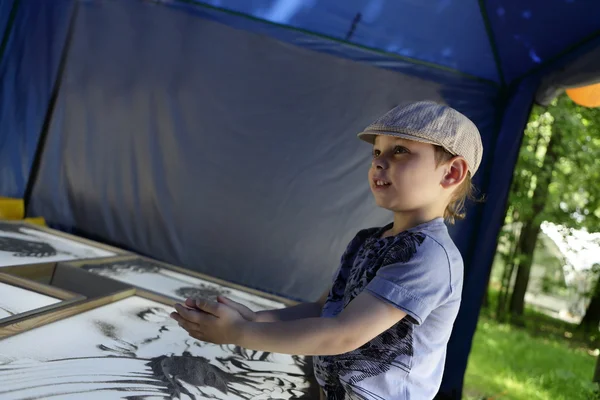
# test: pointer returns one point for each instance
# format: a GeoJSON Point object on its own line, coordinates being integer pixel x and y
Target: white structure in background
{"type": "Point", "coordinates": [580, 251]}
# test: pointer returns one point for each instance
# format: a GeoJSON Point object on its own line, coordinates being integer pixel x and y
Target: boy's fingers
{"type": "Point", "coordinates": [190, 327]}
{"type": "Point", "coordinates": [185, 325]}
{"type": "Point", "coordinates": [208, 306]}
{"type": "Point", "coordinates": [193, 315]}
{"type": "Point", "coordinates": [227, 302]}
{"type": "Point", "coordinates": [196, 335]}
{"type": "Point", "coordinates": [181, 321]}
{"type": "Point", "coordinates": [190, 302]}
{"type": "Point", "coordinates": [233, 304]}
{"type": "Point", "coordinates": [244, 311]}
{"type": "Point", "coordinates": [192, 330]}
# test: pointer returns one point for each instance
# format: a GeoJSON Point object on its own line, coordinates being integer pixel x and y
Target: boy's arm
{"type": "Point", "coordinates": [300, 311]}
{"type": "Point", "coordinates": [363, 319]}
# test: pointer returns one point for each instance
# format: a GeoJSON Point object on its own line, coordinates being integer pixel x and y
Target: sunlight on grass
{"type": "Point", "coordinates": [513, 387]}
{"type": "Point", "coordinates": [506, 363]}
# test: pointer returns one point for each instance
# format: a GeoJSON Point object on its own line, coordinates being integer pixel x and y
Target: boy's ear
{"type": "Point", "coordinates": [456, 172]}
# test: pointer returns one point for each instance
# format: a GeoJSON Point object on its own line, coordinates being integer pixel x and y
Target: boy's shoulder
{"type": "Point", "coordinates": [438, 257]}
{"type": "Point", "coordinates": [427, 245]}
{"type": "Point", "coordinates": [439, 239]}
{"type": "Point", "coordinates": [438, 248]}
{"type": "Point", "coordinates": [435, 231]}
{"type": "Point", "coordinates": [430, 240]}
{"type": "Point", "coordinates": [417, 270]}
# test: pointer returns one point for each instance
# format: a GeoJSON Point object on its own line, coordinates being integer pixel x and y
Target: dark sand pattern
{"type": "Point", "coordinates": [132, 350]}
{"type": "Point", "coordinates": [152, 276]}
{"type": "Point", "coordinates": [22, 245]}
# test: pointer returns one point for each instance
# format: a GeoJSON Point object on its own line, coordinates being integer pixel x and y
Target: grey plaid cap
{"type": "Point", "coordinates": [430, 122]}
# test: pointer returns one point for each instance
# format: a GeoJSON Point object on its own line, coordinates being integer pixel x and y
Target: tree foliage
{"type": "Point", "coordinates": [574, 194]}
{"type": "Point", "coordinates": [556, 179]}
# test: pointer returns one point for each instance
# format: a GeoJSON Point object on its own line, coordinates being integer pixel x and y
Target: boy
{"type": "Point", "coordinates": [381, 330]}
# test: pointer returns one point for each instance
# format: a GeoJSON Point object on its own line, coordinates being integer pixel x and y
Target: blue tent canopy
{"type": "Point", "coordinates": [220, 135]}
{"type": "Point", "coordinates": [497, 40]}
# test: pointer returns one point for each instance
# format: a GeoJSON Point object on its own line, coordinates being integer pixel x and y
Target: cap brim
{"type": "Point", "coordinates": [369, 136]}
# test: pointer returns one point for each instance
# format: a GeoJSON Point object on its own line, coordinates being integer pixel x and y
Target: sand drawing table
{"type": "Point", "coordinates": [79, 319]}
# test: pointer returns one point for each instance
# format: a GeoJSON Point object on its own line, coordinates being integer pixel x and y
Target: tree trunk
{"type": "Point", "coordinates": [596, 378]}
{"type": "Point", "coordinates": [509, 270]}
{"type": "Point", "coordinates": [510, 259]}
{"type": "Point", "coordinates": [531, 228]}
{"type": "Point", "coordinates": [591, 319]}
{"type": "Point", "coordinates": [526, 245]}
{"type": "Point", "coordinates": [510, 263]}
{"type": "Point", "coordinates": [486, 301]}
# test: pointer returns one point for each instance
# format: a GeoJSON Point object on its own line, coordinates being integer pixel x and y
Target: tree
{"type": "Point", "coordinates": [531, 227]}
{"type": "Point", "coordinates": [555, 180]}
{"type": "Point", "coordinates": [591, 319]}
{"type": "Point", "coordinates": [529, 161]}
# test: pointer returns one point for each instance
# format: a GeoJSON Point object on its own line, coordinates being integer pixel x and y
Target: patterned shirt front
{"type": "Point", "coordinates": [419, 271]}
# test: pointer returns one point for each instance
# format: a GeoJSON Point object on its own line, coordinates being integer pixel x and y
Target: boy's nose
{"type": "Point", "coordinates": [380, 163]}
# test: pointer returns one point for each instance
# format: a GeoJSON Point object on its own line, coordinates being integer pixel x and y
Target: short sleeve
{"type": "Point", "coordinates": [415, 276]}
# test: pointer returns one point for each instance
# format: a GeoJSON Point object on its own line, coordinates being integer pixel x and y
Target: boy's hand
{"type": "Point", "coordinates": [210, 321]}
{"type": "Point", "coordinates": [247, 313]}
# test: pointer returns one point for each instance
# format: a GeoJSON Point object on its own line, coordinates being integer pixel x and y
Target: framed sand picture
{"type": "Point", "coordinates": [177, 283]}
{"type": "Point", "coordinates": [129, 348]}
{"type": "Point", "coordinates": [23, 243]}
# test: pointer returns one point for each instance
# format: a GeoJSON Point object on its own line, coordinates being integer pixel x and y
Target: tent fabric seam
{"type": "Point", "coordinates": [415, 61]}
{"type": "Point", "coordinates": [492, 40]}
{"type": "Point", "coordinates": [8, 29]}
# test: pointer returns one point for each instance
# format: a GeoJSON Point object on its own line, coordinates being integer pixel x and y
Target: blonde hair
{"type": "Point", "coordinates": [455, 210]}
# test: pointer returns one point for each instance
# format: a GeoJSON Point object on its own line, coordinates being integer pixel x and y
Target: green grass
{"type": "Point", "coordinates": [541, 359]}
{"type": "Point", "coordinates": [539, 324]}
{"type": "Point", "coordinates": [507, 363]}
{"type": "Point", "coordinates": [535, 362]}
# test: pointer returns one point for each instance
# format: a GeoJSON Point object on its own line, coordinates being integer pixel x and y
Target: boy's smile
{"type": "Point", "coordinates": [380, 183]}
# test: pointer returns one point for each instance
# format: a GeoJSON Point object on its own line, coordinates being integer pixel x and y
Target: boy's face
{"type": "Point", "coordinates": [411, 179]}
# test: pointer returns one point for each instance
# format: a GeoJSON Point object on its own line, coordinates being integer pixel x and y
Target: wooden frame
{"type": "Point", "coordinates": [41, 273]}
{"type": "Point", "coordinates": [62, 278]}
{"type": "Point", "coordinates": [79, 239]}
{"type": "Point", "coordinates": [22, 322]}
{"type": "Point", "coordinates": [34, 286]}
{"type": "Point", "coordinates": [26, 323]}
{"type": "Point", "coordinates": [66, 297]}
{"type": "Point", "coordinates": [66, 278]}
{"type": "Point", "coordinates": [68, 236]}
{"type": "Point", "coordinates": [64, 236]}
{"type": "Point", "coordinates": [82, 290]}
{"type": "Point", "coordinates": [120, 254]}
{"type": "Point", "coordinates": [183, 271]}
{"type": "Point", "coordinates": [76, 304]}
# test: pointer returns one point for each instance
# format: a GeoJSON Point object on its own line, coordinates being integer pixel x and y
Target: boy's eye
{"type": "Point", "coordinates": [400, 150]}
{"type": "Point", "coordinates": [376, 153]}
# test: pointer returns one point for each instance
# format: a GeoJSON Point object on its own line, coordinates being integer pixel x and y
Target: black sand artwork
{"type": "Point", "coordinates": [152, 276]}
{"type": "Point", "coordinates": [19, 243]}
{"type": "Point", "coordinates": [26, 248]}
{"type": "Point", "coordinates": [133, 350]}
